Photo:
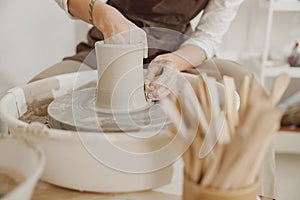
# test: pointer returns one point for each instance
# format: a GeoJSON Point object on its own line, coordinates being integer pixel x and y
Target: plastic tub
{"type": "Point", "coordinates": [82, 160]}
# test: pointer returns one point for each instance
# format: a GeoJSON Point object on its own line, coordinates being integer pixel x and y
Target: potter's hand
{"type": "Point", "coordinates": [161, 77]}
{"type": "Point", "coordinates": [119, 30]}
{"type": "Point", "coordinates": [115, 27]}
{"type": "Point", "coordinates": [130, 35]}
{"type": "Point", "coordinates": [163, 71]}
{"type": "Point", "coordinates": [133, 35]}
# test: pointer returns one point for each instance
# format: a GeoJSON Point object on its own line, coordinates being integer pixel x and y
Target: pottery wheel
{"type": "Point", "coordinates": [76, 111]}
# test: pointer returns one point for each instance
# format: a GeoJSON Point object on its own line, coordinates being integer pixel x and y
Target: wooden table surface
{"type": "Point", "coordinates": [172, 191]}
{"type": "Point", "coordinates": [46, 191]}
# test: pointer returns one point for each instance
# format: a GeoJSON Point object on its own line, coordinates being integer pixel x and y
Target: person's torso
{"type": "Point", "coordinates": [165, 22]}
{"type": "Point", "coordinates": [173, 12]}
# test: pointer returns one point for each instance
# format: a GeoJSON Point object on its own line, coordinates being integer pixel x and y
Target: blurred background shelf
{"type": "Point", "coordinates": [293, 72]}
{"type": "Point", "coordinates": [287, 141]}
{"type": "Point", "coordinates": [273, 6]}
{"type": "Point", "coordinates": [287, 158]}
{"type": "Point", "coordinates": [284, 5]}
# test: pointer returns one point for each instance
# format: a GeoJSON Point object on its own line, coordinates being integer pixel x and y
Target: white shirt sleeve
{"type": "Point", "coordinates": [212, 26]}
{"type": "Point", "coordinates": [64, 5]}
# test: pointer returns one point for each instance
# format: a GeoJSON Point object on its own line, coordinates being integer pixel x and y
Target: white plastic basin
{"type": "Point", "coordinates": [73, 158]}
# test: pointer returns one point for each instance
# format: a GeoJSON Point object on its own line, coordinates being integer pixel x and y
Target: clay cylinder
{"type": "Point", "coordinates": [120, 77]}
{"type": "Point", "coordinates": [192, 191]}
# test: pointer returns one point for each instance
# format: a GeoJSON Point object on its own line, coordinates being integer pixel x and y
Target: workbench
{"type": "Point", "coordinates": [172, 191]}
{"type": "Point", "coordinates": [46, 191]}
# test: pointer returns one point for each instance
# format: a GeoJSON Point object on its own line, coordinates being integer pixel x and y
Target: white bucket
{"type": "Point", "coordinates": [71, 162]}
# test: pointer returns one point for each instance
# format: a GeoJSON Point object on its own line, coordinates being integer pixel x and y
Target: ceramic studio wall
{"type": "Point", "coordinates": [33, 36]}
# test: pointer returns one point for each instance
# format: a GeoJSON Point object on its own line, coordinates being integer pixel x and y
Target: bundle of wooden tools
{"type": "Point", "coordinates": [226, 145]}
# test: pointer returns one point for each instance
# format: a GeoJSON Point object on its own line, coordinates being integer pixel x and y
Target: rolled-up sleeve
{"type": "Point", "coordinates": [64, 5]}
{"type": "Point", "coordinates": [213, 25]}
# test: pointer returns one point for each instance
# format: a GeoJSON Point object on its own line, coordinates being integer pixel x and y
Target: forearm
{"type": "Point", "coordinates": [105, 17]}
{"type": "Point", "coordinates": [80, 9]}
{"type": "Point", "coordinates": [191, 56]}
{"type": "Point", "coordinates": [186, 56]}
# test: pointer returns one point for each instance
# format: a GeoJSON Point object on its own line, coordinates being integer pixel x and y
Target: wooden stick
{"type": "Point", "coordinates": [235, 148]}
{"type": "Point", "coordinates": [249, 133]}
{"type": "Point", "coordinates": [266, 127]}
{"type": "Point", "coordinates": [203, 94]}
{"type": "Point", "coordinates": [257, 91]}
{"type": "Point", "coordinates": [279, 87]}
{"type": "Point", "coordinates": [212, 166]}
{"type": "Point", "coordinates": [230, 105]}
{"type": "Point", "coordinates": [197, 163]}
{"type": "Point", "coordinates": [235, 163]}
{"type": "Point", "coordinates": [244, 93]}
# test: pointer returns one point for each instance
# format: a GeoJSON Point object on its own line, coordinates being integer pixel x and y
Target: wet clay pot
{"type": "Point", "coordinates": [121, 80]}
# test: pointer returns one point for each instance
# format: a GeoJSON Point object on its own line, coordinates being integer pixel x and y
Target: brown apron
{"type": "Point", "coordinates": [164, 21]}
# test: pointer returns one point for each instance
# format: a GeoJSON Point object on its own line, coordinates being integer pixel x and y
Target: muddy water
{"type": "Point", "coordinates": [37, 110]}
